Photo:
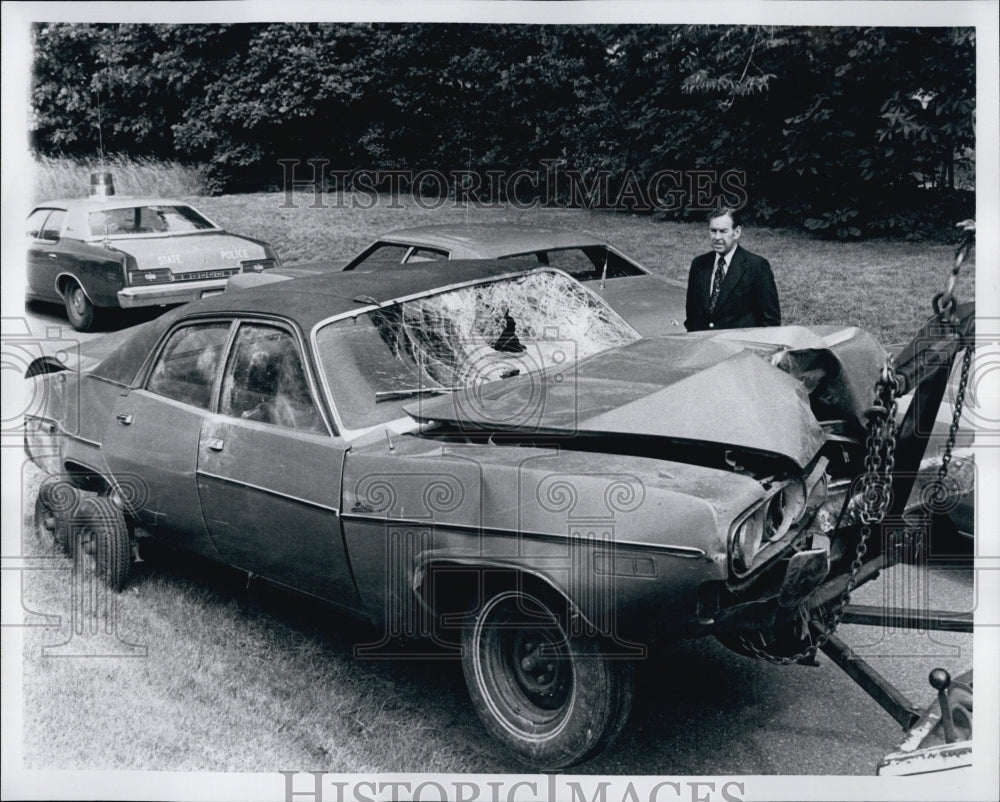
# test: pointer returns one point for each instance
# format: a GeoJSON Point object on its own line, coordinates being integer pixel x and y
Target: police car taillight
{"type": "Point", "coordinates": [257, 265]}
{"type": "Point", "coordinates": [160, 275]}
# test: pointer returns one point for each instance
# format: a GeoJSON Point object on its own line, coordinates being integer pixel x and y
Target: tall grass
{"type": "Point", "coordinates": [70, 178]}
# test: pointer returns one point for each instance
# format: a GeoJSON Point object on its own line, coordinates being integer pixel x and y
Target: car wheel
{"type": "Point", "coordinates": [54, 508]}
{"type": "Point", "coordinates": [79, 309]}
{"type": "Point", "coordinates": [552, 698]}
{"type": "Point", "coordinates": [100, 542]}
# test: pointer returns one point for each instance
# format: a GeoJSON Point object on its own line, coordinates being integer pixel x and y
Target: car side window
{"type": "Point", "coordinates": [53, 225]}
{"type": "Point", "coordinates": [46, 224]}
{"type": "Point", "coordinates": [379, 253]}
{"type": "Point", "coordinates": [426, 255]}
{"type": "Point", "coordinates": [33, 225]}
{"type": "Point", "coordinates": [264, 381]}
{"type": "Point", "coordinates": [186, 367]}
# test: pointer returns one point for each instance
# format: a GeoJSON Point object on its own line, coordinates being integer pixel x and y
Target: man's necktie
{"type": "Point", "coordinates": [716, 284]}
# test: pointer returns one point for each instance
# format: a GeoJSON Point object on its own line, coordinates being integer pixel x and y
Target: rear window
{"type": "Point", "coordinates": [584, 264]}
{"type": "Point", "coordinates": [146, 219]}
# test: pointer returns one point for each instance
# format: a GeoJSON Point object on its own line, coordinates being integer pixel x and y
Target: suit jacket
{"type": "Point", "coordinates": [748, 296]}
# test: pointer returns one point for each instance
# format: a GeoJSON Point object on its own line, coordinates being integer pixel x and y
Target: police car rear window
{"type": "Point", "coordinates": [146, 219]}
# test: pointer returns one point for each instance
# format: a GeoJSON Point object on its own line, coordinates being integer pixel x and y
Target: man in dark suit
{"type": "Point", "coordinates": [730, 288]}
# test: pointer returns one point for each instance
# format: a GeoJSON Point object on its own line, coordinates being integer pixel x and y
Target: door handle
{"type": "Point", "coordinates": [125, 419]}
{"type": "Point", "coordinates": [53, 256]}
{"type": "Point", "coordinates": [214, 444]}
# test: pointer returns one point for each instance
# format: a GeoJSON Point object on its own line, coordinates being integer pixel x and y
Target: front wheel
{"type": "Point", "coordinates": [79, 309]}
{"type": "Point", "coordinates": [553, 699]}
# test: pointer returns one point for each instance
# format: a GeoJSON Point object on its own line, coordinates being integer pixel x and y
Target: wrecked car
{"type": "Point", "coordinates": [484, 455]}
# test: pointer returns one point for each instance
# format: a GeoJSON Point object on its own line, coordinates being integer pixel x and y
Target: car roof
{"type": "Point", "coordinates": [76, 224]}
{"type": "Point", "coordinates": [308, 301]}
{"type": "Point", "coordinates": [489, 241]}
{"type": "Point", "coordinates": [312, 299]}
{"type": "Point", "coordinates": [90, 204]}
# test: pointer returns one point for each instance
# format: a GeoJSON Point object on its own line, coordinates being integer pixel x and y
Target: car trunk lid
{"type": "Point", "coordinates": [192, 256]}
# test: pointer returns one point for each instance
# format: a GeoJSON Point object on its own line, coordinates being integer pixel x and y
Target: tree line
{"type": "Point", "coordinates": [846, 131]}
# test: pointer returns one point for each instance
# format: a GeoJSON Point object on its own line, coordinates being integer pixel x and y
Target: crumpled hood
{"type": "Point", "coordinates": [714, 389]}
{"type": "Point", "coordinates": [188, 253]}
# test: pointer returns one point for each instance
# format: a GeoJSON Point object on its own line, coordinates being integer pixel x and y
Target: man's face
{"type": "Point", "coordinates": [724, 234]}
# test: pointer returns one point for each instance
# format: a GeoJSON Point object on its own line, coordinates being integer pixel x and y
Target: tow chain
{"type": "Point", "coordinates": [944, 302]}
{"type": "Point", "coordinates": [944, 305]}
{"type": "Point", "coordinates": [956, 416]}
{"type": "Point", "coordinates": [875, 493]}
{"type": "Point", "coordinates": [876, 483]}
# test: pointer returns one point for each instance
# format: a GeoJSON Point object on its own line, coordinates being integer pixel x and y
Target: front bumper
{"type": "Point", "coordinates": [175, 293]}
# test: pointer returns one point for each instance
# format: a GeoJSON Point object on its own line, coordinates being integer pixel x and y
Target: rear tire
{"type": "Point", "coordinates": [553, 699]}
{"type": "Point", "coordinates": [54, 509]}
{"type": "Point", "coordinates": [100, 542]}
{"type": "Point", "coordinates": [79, 309]}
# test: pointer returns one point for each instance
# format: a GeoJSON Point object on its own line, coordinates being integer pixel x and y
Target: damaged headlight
{"type": "Point", "coordinates": [783, 509]}
{"type": "Point", "coordinates": [763, 530]}
{"type": "Point", "coordinates": [746, 541]}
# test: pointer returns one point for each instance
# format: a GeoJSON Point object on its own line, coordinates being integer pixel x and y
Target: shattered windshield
{"type": "Point", "coordinates": [379, 361]}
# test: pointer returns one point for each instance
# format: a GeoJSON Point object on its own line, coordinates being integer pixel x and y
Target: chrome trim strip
{"type": "Point", "coordinates": [79, 439]}
{"type": "Point", "coordinates": [270, 492]}
{"type": "Point", "coordinates": [112, 382]}
{"type": "Point", "coordinates": [687, 552]}
{"type": "Point", "coordinates": [59, 430]}
{"type": "Point", "coordinates": [74, 278]}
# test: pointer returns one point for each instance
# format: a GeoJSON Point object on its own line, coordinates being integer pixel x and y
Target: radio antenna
{"type": "Point", "coordinates": [100, 131]}
{"type": "Point", "coordinates": [468, 173]}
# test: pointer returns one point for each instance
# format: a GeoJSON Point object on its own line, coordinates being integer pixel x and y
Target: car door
{"type": "Point", "coordinates": [269, 470]}
{"type": "Point", "coordinates": [46, 258]}
{"type": "Point", "coordinates": [151, 444]}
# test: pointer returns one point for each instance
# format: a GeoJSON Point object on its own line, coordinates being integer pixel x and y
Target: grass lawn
{"type": "Point", "coordinates": [884, 286]}
{"type": "Point", "coordinates": [188, 670]}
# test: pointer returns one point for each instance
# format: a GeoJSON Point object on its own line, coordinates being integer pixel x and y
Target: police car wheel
{"type": "Point", "coordinates": [79, 309]}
